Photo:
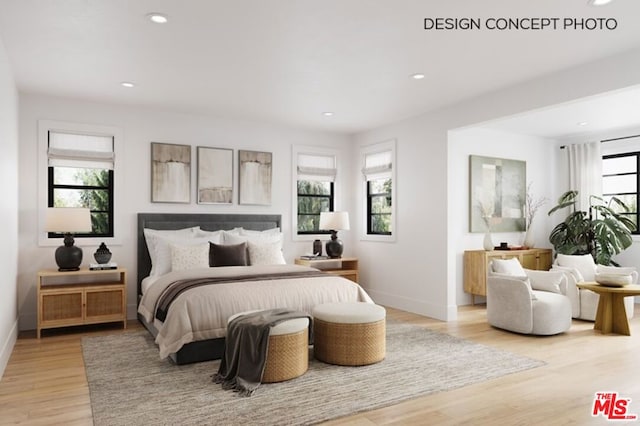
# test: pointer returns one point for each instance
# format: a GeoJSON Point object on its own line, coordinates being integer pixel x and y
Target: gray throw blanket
{"type": "Point", "coordinates": [242, 364]}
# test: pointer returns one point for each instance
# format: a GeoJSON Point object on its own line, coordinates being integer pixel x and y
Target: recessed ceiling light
{"type": "Point", "coordinates": [418, 76]}
{"type": "Point", "coordinates": [127, 84]}
{"type": "Point", "coordinates": [327, 113]}
{"type": "Point", "coordinates": [598, 2]}
{"type": "Point", "coordinates": [158, 18]}
{"type": "Point", "coordinates": [582, 123]}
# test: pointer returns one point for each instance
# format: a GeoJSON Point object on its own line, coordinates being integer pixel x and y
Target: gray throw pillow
{"type": "Point", "coordinates": [228, 254]}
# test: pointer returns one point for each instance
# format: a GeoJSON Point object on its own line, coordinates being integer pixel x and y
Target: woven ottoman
{"type": "Point", "coordinates": [349, 333]}
{"type": "Point", "coordinates": [288, 352]}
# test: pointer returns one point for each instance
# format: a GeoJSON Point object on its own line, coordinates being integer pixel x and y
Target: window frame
{"type": "Point", "coordinates": [365, 235]}
{"type": "Point", "coordinates": [52, 186]}
{"type": "Point", "coordinates": [117, 197]}
{"type": "Point", "coordinates": [331, 198]}
{"type": "Point", "coordinates": [635, 154]}
{"type": "Point", "coordinates": [336, 185]}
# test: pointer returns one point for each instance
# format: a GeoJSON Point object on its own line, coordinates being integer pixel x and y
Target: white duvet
{"type": "Point", "coordinates": [201, 313]}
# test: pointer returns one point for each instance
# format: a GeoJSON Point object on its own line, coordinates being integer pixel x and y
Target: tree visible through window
{"type": "Point", "coordinates": [88, 188]}
{"type": "Point", "coordinates": [379, 206]}
{"type": "Point", "coordinates": [80, 174]}
{"type": "Point", "coordinates": [620, 179]}
{"type": "Point", "coordinates": [313, 197]}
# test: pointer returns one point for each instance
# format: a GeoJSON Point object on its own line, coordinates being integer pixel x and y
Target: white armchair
{"type": "Point", "coordinates": [582, 268]}
{"type": "Point", "coordinates": [513, 304]}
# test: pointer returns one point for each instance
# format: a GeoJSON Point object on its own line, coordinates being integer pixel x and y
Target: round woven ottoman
{"type": "Point", "coordinates": [349, 333]}
{"type": "Point", "coordinates": [288, 352]}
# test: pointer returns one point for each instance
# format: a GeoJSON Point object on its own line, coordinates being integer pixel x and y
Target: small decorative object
{"type": "Point", "coordinates": [531, 207]}
{"type": "Point", "coordinates": [317, 248]}
{"type": "Point", "coordinates": [504, 245]}
{"type": "Point", "coordinates": [334, 222]}
{"type": "Point", "coordinates": [65, 220]}
{"type": "Point", "coordinates": [102, 255]}
{"type": "Point", "coordinates": [487, 243]}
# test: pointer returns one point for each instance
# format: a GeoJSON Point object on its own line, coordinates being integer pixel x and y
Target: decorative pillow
{"type": "Point", "coordinates": [228, 254]}
{"type": "Point", "coordinates": [545, 280]}
{"type": "Point", "coordinates": [508, 267]}
{"type": "Point", "coordinates": [213, 236]}
{"type": "Point", "coordinates": [583, 263]}
{"type": "Point", "coordinates": [189, 256]}
{"type": "Point", "coordinates": [256, 238]}
{"type": "Point", "coordinates": [158, 247]}
{"type": "Point", "coordinates": [265, 232]}
{"type": "Point", "coordinates": [266, 253]}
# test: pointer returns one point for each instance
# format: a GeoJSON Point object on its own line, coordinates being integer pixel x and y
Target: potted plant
{"type": "Point", "coordinates": [603, 231]}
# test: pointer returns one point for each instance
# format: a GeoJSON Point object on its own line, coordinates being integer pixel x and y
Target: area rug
{"type": "Point", "coordinates": [130, 385]}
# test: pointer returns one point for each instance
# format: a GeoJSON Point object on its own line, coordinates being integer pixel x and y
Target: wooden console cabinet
{"type": "Point", "coordinates": [476, 265]}
{"type": "Point", "coordinates": [81, 297]}
{"type": "Point", "coordinates": [345, 266]}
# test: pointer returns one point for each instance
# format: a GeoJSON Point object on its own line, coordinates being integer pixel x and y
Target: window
{"type": "Point", "coordinates": [315, 179]}
{"type": "Point", "coordinates": [379, 180]}
{"type": "Point", "coordinates": [80, 174]}
{"type": "Point", "coordinates": [620, 180]}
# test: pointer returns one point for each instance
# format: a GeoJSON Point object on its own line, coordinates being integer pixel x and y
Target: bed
{"type": "Point", "coordinates": [191, 326]}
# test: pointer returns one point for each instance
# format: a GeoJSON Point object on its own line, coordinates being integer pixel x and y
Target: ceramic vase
{"type": "Point", "coordinates": [529, 241]}
{"type": "Point", "coordinates": [102, 255]}
{"type": "Point", "coordinates": [487, 243]}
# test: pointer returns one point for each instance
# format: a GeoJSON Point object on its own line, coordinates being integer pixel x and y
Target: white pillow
{"type": "Point", "coordinates": [583, 263]}
{"type": "Point", "coordinates": [153, 235]}
{"type": "Point", "coordinates": [214, 236]}
{"type": "Point", "coordinates": [545, 280]}
{"type": "Point", "coordinates": [163, 251]}
{"type": "Point", "coordinates": [269, 253]}
{"type": "Point", "coordinates": [189, 256]}
{"type": "Point", "coordinates": [265, 232]}
{"type": "Point", "coordinates": [255, 238]}
{"type": "Point", "coordinates": [508, 267]}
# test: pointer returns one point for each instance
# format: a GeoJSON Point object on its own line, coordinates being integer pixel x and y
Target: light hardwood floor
{"type": "Point", "coordinates": [45, 384]}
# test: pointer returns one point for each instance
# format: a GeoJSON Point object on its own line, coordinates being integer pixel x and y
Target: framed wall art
{"type": "Point", "coordinates": [215, 175]}
{"type": "Point", "coordinates": [497, 194]}
{"type": "Point", "coordinates": [170, 173]}
{"type": "Point", "coordinates": [255, 177]}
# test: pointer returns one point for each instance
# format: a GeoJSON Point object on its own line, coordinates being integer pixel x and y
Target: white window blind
{"type": "Point", "coordinates": [378, 165]}
{"type": "Point", "coordinates": [316, 167]}
{"type": "Point", "coordinates": [76, 150]}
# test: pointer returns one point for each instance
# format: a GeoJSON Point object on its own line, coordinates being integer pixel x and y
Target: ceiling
{"type": "Point", "coordinates": [288, 61]}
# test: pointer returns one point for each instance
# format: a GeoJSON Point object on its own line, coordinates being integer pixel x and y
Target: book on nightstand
{"type": "Point", "coordinates": [102, 266]}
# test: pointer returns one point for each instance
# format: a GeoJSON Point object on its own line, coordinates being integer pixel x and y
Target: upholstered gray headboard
{"type": "Point", "coordinates": [208, 222]}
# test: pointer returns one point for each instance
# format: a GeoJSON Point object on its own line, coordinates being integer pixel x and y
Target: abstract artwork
{"type": "Point", "coordinates": [215, 175]}
{"type": "Point", "coordinates": [255, 177]}
{"type": "Point", "coordinates": [170, 173]}
{"type": "Point", "coordinates": [497, 194]}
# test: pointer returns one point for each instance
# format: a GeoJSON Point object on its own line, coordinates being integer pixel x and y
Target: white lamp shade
{"type": "Point", "coordinates": [68, 219]}
{"type": "Point", "coordinates": [334, 221]}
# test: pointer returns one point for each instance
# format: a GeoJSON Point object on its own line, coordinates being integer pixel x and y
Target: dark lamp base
{"type": "Point", "coordinates": [334, 248]}
{"type": "Point", "coordinates": [68, 258]}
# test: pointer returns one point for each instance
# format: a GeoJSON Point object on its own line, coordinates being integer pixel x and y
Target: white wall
{"type": "Point", "coordinates": [8, 210]}
{"type": "Point", "coordinates": [535, 151]}
{"type": "Point", "coordinates": [140, 126]}
{"type": "Point", "coordinates": [419, 271]}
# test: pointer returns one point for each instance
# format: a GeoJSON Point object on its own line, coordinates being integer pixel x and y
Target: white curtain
{"type": "Point", "coordinates": [585, 172]}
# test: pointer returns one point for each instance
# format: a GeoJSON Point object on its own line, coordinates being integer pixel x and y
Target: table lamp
{"type": "Point", "coordinates": [67, 220]}
{"type": "Point", "coordinates": [334, 222]}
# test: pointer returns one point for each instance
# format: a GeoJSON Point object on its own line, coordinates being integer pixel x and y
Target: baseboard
{"type": "Point", "coordinates": [7, 347]}
{"type": "Point", "coordinates": [443, 313]}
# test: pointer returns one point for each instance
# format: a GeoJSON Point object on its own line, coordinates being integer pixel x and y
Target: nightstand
{"type": "Point", "coordinates": [81, 297]}
{"type": "Point", "coordinates": [345, 266]}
